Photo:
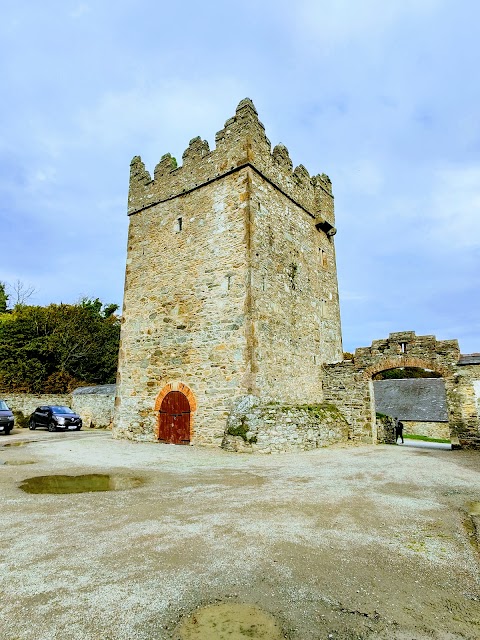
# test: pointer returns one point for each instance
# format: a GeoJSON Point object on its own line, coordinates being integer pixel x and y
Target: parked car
{"type": "Point", "coordinates": [6, 418]}
{"type": "Point", "coordinates": [53, 417]}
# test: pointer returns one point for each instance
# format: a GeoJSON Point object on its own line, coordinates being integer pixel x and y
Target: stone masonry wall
{"type": "Point", "coordinates": [95, 409]}
{"type": "Point", "coordinates": [230, 284]}
{"type": "Point", "coordinates": [349, 385]}
{"type": "Point", "coordinates": [296, 298]}
{"type": "Point", "coordinates": [185, 315]}
{"type": "Point", "coordinates": [430, 429]}
{"type": "Point", "coordinates": [278, 428]}
{"type": "Point", "coordinates": [468, 394]}
{"type": "Point", "coordinates": [241, 142]}
{"type": "Point", "coordinates": [28, 402]}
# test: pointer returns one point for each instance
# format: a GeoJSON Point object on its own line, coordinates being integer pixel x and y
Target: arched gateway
{"type": "Point", "coordinates": [349, 385]}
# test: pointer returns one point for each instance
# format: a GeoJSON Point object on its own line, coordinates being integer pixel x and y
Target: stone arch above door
{"type": "Point", "coordinates": [406, 361]}
{"type": "Point", "coordinates": [176, 386]}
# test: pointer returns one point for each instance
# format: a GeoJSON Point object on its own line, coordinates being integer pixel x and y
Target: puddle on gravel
{"type": "Point", "coordinates": [18, 444]}
{"type": "Point", "coordinates": [229, 622]}
{"type": "Point", "coordinates": [19, 462]}
{"type": "Point", "coordinates": [79, 484]}
{"type": "Point", "coordinates": [474, 509]}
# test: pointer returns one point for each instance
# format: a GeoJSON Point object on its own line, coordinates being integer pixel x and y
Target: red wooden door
{"type": "Point", "coordinates": [175, 419]}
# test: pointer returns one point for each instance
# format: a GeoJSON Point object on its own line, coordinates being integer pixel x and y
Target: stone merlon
{"type": "Point", "coordinates": [241, 143]}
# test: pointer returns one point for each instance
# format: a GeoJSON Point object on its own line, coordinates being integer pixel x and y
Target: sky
{"type": "Point", "coordinates": [381, 96]}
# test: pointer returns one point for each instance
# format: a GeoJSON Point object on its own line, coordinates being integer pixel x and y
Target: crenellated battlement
{"type": "Point", "coordinates": [241, 143]}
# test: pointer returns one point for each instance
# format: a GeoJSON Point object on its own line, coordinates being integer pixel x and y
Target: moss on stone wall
{"type": "Point", "coordinates": [276, 427]}
{"type": "Point", "coordinates": [242, 430]}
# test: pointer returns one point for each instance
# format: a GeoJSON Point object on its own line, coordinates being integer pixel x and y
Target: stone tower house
{"type": "Point", "coordinates": [230, 286]}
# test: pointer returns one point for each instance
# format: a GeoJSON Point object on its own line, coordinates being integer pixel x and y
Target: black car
{"type": "Point", "coordinates": [6, 418]}
{"type": "Point", "coordinates": [54, 417]}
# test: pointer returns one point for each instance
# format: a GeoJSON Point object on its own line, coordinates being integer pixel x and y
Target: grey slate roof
{"type": "Point", "coordinates": [469, 358]}
{"type": "Point", "coordinates": [101, 390]}
{"type": "Point", "coordinates": [417, 399]}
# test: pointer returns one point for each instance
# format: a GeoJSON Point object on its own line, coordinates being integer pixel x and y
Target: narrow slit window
{"type": "Point", "coordinates": [178, 225]}
{"type": "Point", "coordinates": [323, 308]}
{"type": "Point", "coordinates": [323, 258]}
{"type": "Point", "coordinates": [403, 347]}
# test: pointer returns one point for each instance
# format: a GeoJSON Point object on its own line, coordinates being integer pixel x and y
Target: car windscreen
{"type": "Point", "coordinates": [3, 406]}
{"type": "Point", "coordinates": [61, 410]}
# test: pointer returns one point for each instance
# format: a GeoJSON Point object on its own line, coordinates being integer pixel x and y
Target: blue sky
{"type": "Point", "coordinates": [381, 96]}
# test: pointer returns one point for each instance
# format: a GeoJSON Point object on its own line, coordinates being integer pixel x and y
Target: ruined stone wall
{"type": "Point", "coordinates": [349, 384]}
{"type": "Point", "coordinates": [467, 389]}
{"type": "Point", "coordinates": [347, 389]}
{"type": "Point", "coordinates": [253, 426]}
{"type": "Point", "coordinates": [385, 428]}
{"type": "Point", "coordinates": [476, 390]}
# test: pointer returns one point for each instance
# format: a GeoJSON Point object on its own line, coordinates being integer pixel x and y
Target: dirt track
{"type": "Point", "coordinates": [343, 543]}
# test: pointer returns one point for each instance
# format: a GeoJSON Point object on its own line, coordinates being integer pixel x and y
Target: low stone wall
{"type": "Point", "coordinates": [28, 402]}
{"type": "Point", "coordinates": [430, 429]}
{"type": "Point", "coordinates": [95, 411]}
{"type": "Point", "coordinates": [385, 429]}
{"type": "Point", "coordinates": [93, 404]}
{"type": "Point", "coordinates": [277, 428]}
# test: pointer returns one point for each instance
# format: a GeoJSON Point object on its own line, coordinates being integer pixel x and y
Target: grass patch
{"type": "Point", "coordinates": [424, 438]}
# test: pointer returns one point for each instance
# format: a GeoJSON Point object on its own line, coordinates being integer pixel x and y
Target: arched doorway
{"type": "Point", "coordinates": [417, 398]}
{"type": "Point", "coordinates": [174, 419]}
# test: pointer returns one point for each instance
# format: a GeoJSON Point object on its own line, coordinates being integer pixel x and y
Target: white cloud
{"type": "Point", "coordinates": [455, 208]}
{"type": "Point", "coordinates": [327, 24]}
{"type": "Point", "coordinates": [158, 116]}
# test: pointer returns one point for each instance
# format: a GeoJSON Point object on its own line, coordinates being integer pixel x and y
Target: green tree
{"type": "Point", "coordinates": [406, 372]}
{"type": "Point", "coordinates": [3, 298]}
{"type": "Point", "coordinates": [57, 348]}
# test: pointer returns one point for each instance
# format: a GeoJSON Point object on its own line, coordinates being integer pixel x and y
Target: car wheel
{"type": "Point", "coordinates": [32, 425]}
{"type": "Point", "coordinates": [51, 426]}
{"type": "Point", "coordinates": [78, 428]}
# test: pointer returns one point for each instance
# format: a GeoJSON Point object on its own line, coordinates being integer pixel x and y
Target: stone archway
{"type": "Point", "coordinates": [175, 405]}
{"type": "Point", "coordinates": [349, 385]}
{"type": "Point", "coordinates": [414, 363]}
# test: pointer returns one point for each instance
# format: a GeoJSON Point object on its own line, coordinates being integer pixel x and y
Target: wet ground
{"type": "Point", "coordinates": [341, 543]}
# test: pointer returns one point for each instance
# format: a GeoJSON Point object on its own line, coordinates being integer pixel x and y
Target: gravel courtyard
{"type": "Point", "coordinates": [341, 543]}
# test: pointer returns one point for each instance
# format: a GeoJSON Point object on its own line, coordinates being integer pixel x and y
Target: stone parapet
{"type": "Point", "coordinates": [242, 142]}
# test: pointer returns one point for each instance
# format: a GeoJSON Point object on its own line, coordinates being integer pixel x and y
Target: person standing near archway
{"type": "Point", "coordinates": [398, 430]}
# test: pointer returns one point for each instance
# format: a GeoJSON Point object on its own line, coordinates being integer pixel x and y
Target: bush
{"type": "Point", "coordinates": [21, 421]}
